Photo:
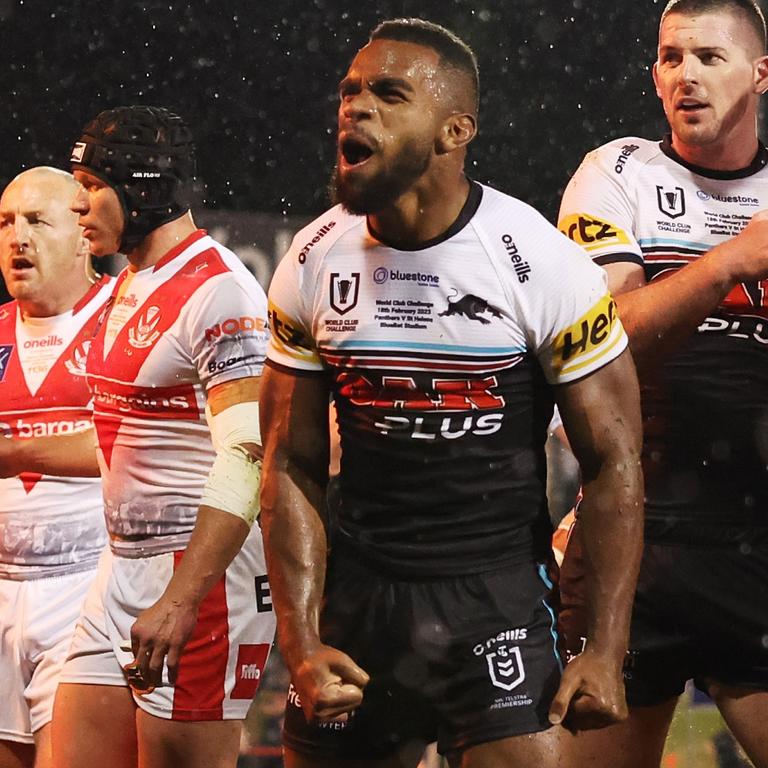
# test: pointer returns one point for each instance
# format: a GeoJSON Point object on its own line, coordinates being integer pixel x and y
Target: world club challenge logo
{"type": "Point", "coordinates": [5, 356]}
{"type": "Point", "coordinates": [671, 201]}
{"type": "Point", "coordinates": [344, 292]}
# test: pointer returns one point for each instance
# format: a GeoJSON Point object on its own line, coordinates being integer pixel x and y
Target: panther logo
{"type": "Point", "coordinates": [471, 307]}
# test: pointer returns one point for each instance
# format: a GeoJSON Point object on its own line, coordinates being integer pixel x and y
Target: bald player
{"type": "Point", "coordinates": [51, 528]}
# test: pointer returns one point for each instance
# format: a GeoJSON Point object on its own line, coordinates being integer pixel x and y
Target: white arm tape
{"type": "Point", "coordinates": [235, 425]}
{"type": "Point", "coordinates": [234, 480]}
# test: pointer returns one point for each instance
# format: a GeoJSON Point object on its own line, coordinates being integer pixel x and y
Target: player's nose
{"type": "Point", "coordinates": [80, 203]}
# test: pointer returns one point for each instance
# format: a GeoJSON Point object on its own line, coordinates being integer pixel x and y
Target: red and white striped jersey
{"type": "Point", "coordinates": [48, 525]}
{"type": "Point", "coordinates": [171, 332]}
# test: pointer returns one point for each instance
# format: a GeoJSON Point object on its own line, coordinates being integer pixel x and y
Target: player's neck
{"type": "Point", "coordinates": [159, 241]}
{"type": "Point", "coordinates": [423, 213]}
{"type": "Point", "coordinates": [730, 154]}
{"type": "Point", "coordinates": [52, 305]}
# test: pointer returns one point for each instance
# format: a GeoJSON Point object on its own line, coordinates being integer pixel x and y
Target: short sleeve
{"type": "Point", "coordinates": [597, 212]}
{"type": "Point", "coordinates": [568, 315]}
{"type": "Point", "coordinates": [228, 329]}
{"type": "Point", "coordinates": [291, 344]}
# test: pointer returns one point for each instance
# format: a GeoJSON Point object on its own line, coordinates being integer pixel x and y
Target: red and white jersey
{"type": "Point", "coordinates": [48, 525]}
{"type": "Point", "coordinates": [171, 332]}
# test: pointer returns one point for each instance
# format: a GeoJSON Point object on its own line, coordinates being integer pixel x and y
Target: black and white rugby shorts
{"type": "Point", "coordinates": [700, 613]}
{"type": "Point", "coordinates": [461, 660]}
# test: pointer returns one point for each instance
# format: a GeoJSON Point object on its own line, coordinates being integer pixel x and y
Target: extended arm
{"type": "Point", "coordinates": [295, 426]}
{"type": "Point", "coordinates": [658, 317]}
{"type": "Point", "coordinates": [601, 414]}
{"type": "Point", "coordinates": [164, 628]}
{"type": "Point", "coordinates": [65, 456]}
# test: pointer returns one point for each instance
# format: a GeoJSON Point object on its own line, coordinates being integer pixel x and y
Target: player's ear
{"type": "Point", "coordinates": [83, 248]}
{"type": "Point", "coordinates": [655, 73]}
{"type": "Point", "coordinates": [760, 74]}
{"type": "Point", "coordinates": [456, 132]}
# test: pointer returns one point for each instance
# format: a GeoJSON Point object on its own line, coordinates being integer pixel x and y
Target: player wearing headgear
{"type": "Point", "coordinates": [176, 630]}
{"type": "Point", "coordinates": [51, 528]}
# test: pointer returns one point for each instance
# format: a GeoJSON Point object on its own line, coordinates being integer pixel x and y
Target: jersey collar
{"type": "Point", "coordinates": [758, 163]}
{"type": "Point", "coordinates": [469, 209]}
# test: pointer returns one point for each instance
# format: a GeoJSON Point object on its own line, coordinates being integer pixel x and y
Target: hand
{"type": "Point", "coordinates": [161, 631]}
{"type": "Point", "coordinates": [330, 685]}
{"type": "Point", "coordinates": [746, 255]}
{"type": "Point", "coordinates": [591, 693]}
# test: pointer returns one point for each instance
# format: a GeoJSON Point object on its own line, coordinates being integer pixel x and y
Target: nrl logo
{"type": "Point", "coordinates": [76, 364]}
{"type": "Point", "coordinates": [671, 201]}
{"type": "Point", "coordinates": [344, 292]}
{"type": "Point", "coordinates": [505, 667]}
{"type": "Point", "coordinates": [143, 334]}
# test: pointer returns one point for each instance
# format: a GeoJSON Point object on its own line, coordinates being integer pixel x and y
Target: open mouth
{"type": "Point", "coordinates": [19, 262]}
{"type": "Point", "coordinates": [354, 151]}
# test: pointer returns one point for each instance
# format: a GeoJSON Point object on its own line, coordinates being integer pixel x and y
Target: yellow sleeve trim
{"type": "Point", "coordinates": [587, 340]}
{"type": "Point", "coordinates": [289, 339]}
{"type": "Point", "coordinates": [592, 233]}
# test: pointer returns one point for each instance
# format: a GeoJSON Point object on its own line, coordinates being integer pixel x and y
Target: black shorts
{"type": "Point", "coordinates": [460, 661]}
{"type": "Point", "coordinates": [700, 613]}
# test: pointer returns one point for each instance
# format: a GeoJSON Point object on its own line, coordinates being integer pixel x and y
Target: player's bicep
{"type": "Point", "coordinates": [624, 276]}
{"type": "Point", "coordinates": [294, 424]}
{"type": "Point", "coordinates": [601, 415]}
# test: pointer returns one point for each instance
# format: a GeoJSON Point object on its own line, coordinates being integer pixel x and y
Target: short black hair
{"type": "Point", "coordinates": [453, 51]}
{"type": "Point", "coordinates": [749, 9]}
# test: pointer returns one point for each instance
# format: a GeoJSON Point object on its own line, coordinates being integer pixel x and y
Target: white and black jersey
{"type": "Point", "coordinates": [706, 415]}
{"type": "Point", "coordinates": [440, 360]}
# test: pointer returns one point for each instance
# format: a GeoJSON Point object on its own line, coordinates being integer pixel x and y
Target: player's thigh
{"type": "Point", "coordinates": [44, 747]}
{"type": "Point", "coordinates": [173, 743]}
{"type": "Point", "coordinates": [638, 742]}
{"type": "Point", "coordinates": [540, 749]}
{"type": "Point", "coordinates": [91, 721]}
{"type": "Point", "coordinates": [14, 754]}
{"type": "Point", "coordinates": [293, 759]}
{"type": "Point", "coordinates": [746, 712]}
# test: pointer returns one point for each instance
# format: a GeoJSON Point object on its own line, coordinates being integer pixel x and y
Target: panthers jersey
{"type": "Point", "coordinates": [195, 319]}
{"type": "Point", "coordinates": [706, 415]}
{"type": "Point", "coordinates": [48, 525]}
{"type": "Point", "coordinates": [440, 360]}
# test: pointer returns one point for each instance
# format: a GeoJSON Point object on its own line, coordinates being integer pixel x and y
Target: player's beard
{"type": "Point", "coordinates": [374, 194]}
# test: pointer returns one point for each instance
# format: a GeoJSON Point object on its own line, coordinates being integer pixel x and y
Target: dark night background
{"type": "Point", "coordinates": [257, 82]}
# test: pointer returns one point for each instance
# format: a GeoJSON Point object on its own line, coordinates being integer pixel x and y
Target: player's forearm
{"type": "Point", "coordinates": [611, 529]}
{"type": "Point", "coordinates": [660, 316]}
{"type": "Point", "coordinates": [64, 456]}
{"type": "Point", "coordinates": [217, 538]}
{"type": "Point", "coordinates": [296, 550]}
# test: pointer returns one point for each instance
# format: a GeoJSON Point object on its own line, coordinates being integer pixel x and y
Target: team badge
{"type": "Point", "coordinates": [143, 334]}
{"type": "Point", "coordinates": [671, 201]}
{"type": "Point", "coordinates": [5, 356]}
{"type": "Point", "coordinates": [505, 666]}
{"type": "Point", "coordinates": [76, 364]}
{"type": "Point", "coordinates": [344, 292]}
{"type": "Point", "coordinates": [471, 307]}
